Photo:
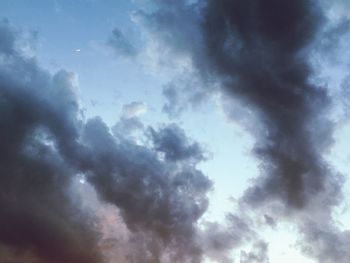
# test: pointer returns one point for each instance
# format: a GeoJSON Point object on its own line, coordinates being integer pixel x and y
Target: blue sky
{"type": "Point", "coordinates": [75, 36]}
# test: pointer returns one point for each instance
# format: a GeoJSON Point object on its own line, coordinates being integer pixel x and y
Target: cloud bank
{"type": "Point", "coordinates": [253, 52]}
{"type": "Point", "coordinates": [47, 146]}
{"type": "Point", "coordinates": [259, 53]}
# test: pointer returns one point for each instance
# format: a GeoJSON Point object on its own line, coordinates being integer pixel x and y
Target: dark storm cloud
{"type": "Point", "coordinates": [259, 52]}
{"type": "Point", "coordinates": [119, 42]}
{"type": "Point", "coordinates": [162, 197]}
{"type": "Point", "coordinates": [173, 143]}
{"type": "Point", "coordinates": [38, 113]}
{"type": "Point", "coordinates": [45, 145]}
{"type": "Point", "coordinates": [260, 49]}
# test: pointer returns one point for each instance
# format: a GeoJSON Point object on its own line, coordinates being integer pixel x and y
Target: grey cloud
{"type": "Point", "coordinates": [175, 29]}
{"type": "Point", "coordinates": [46, 146]}
{"type": "Point", "coordinates": [173, 106]}
{"type": "Point", "coordinates": [248, 50]}
{"type": "Point", "coordinates": [240, 230]}
{"type": "Point", "coordinates": [259, 53]}
{"type": "Point", "coordinates": [121, 44]}
{"type": "Point", "coordinates": [175, 25]}
{"type": "Point", "coordinates": [172, 142]}
{"type": "Point", "coordinates": [217, 241]}
{"type": "Point", "coordinates": [38, 121]}
{"type": "Point", "coordinates": [332, 36]}
{"type": "Point", "coordinates": [182, 91]}
{"type": "Point", "coordinates": [7, 41]}
{"type": "Point", "coordinates": [160, 197]}
{"type": "Point", "coordinates": [125, 127]}
{"type": "Point", "coordinates": [130, 122]}
{"type": "Point", "coordinates": [325, 242]}
{"type": "Point", "coordinates": [243, 45]}
{"type": "Point", "coordinates": [258, 254]}
{"type": "Point", "coordinates": [270, 221]}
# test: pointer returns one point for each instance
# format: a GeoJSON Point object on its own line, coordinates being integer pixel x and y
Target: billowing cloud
{"type": "Point", "coordinates": [161, 197]}
{"type": "Point", "coordinates": [254, 52]}
{"type": "Point", "coordinates": [259, 48]}
{"type": "Point", "coordinates": [38, 121]}
{"type": "Point", "coordinates": [258, 52]}
{"type": "Point", "coordinates": [172, 142]}
{"type": "Point", "coordinates": [47, 146]}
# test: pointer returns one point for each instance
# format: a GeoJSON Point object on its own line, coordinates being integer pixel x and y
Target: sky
{"type": "Point", "coordinates": [192, 131]}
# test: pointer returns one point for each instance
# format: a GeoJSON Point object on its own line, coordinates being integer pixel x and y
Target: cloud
{"type": "Point", "coordinates": [174, 43]}
{"type": "Point", "coordinates": [255, 52]}
{"type": "Point", "coordinates": [173, 26]}
{"type": "Point", "coordinates": [260, 50]}
{"type": "Point", "coordinates": [248, 50]}
{"type": "Point", "coordinates": [184, 90]}
{"type": "Point", "coordinates": [134, 109]}
{"type": "Point", "coordinates": [257, 255]}
{"type": "Point", "coordinates": [130, 122]}
{"type": "Point", "coordinates": [258, 53]}
{"type": "Point", "coordinates": [243, 46]}
{"type": "Point", "coordinates": [162, 198]}
{"type": "Point", "coordinates": [323, 240]}
{"type": "Point", "coordinates": [172, 142]}
{"type": "Point", "coordinates": [38, 122]}
{"type": "Point", "coordinates": [7, 43]}
{"type": "Point", "coordinates": [120, 44]}
{"type": "Point", "coordinates": [47, 146]}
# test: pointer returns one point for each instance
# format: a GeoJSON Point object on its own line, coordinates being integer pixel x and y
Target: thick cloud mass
{"type": "Point", "coordinates": [162, 197]}
{"type": "Point", "coordinates": [259, 53]}
{"type": "Point", "coordinates": [260, 47]}
{"type": "Point", "coordinates": [45, 145]}
{"type": "Point", "coordinates": [173, 143]}
{"type": "Point", "coordinates": [260, 50]}
{"type": "Point", "coordinates": [38, 114]}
